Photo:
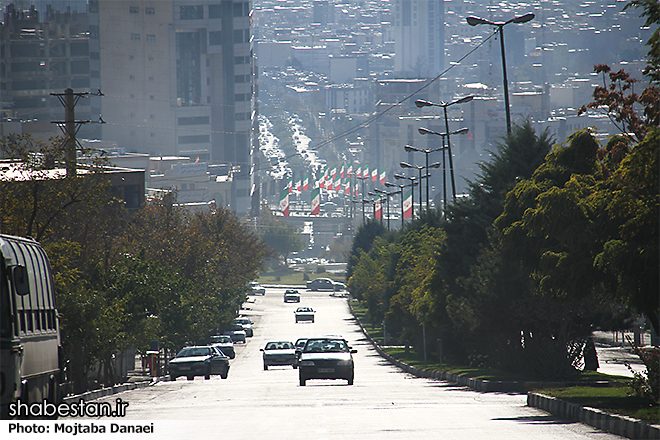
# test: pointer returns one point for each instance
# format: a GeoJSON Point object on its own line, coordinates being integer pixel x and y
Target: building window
{"type": "Point", "coordinates": [241, 9]}
{"type": "Point", "coordinates": [241, 116]}
{"type": "Point", "coordinates": [152, 116]}
{"type": "Point", "coordinates": [133, 9]}
{"type": "Point", "coordinates": [240, 78]}
{"type": "Point", "coordinates": [152, 97]}
{"type": "Point", "coordinates": [215, 11]}
{"type": "Point", "coordinates": [194, 139]}
{"type": "Point", "coordinates": [150, 11]}
{"type": "Point", "coordinates": [192, 12]}
{"type": "Point", "coordinates": [215, 38]}
{"type": "Point", "coordinates": [135, 37]}
{"type": "Point", "coordinates": [193, 120]}
{"type": "Point", "coordinates": [151, 78]}
{"type": "Point", "coordinates": [151, 38]}
{"type": "Point", "coordinates": [239, 97]}
{"type": "Point", "coordinates": [131, 77]}
{"type": "Point", "coordinates": [238, 36]}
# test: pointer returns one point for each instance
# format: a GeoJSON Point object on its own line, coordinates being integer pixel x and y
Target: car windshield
{"type": "Point", "coordinates": [195, 351]}
{"type": "Point", "coordinates": [243, 321]}
{"type": "Point", "coordinates": [325, 345]}
{"type": "Point", "coordinates": [279, 345]}
{"type": "Point", "coordinates": [304, 309]}
{"type": "Point", "coordinates": [220, 339]}
{"type": "Point", "coordinates": [300, 343]}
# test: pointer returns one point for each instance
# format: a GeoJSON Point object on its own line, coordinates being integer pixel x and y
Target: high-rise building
{"type": "Point", "coordinates": [178, 79]}
{"type": "Point", "coordinates": [46, 50]}
{"type": "Point", "coordinates": [419, 38]}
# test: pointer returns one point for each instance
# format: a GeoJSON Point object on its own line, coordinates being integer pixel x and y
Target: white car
{"type": "Point", "coordinates": [237, 333]}
{"type": "Point", "coordinates": [257, 289]}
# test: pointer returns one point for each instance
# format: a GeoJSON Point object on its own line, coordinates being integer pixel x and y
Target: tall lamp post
{"type": "Point", "coordinates": [413, 182]}
{"type": "Point", "coordinates": [463, 130]}
{"type": "Point", "coordinates": [474, 21]}
{"type": "Point", "coordinates": [426, 176]}
{"type": "Point", "coordinates": [386, 194]}
{"type": "Point", "coordinates": [399, 191]}
{"type": "Point", "coordinates": [420, 103]}
{"type": "Point", "coordinates": [426, 153]}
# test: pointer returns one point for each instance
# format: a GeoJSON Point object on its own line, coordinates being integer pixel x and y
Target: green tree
{"type": "Point", "coordinates": [363, 241]}
{"type": "Point", "coordinates": [280, 236]}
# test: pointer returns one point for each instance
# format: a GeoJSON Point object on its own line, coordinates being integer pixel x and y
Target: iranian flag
{"type": "Point", "coordinates": [365, 172]}
{"type": "Point", "coordinates": [374, 175]}
{"type": "Point", "coordinates": [378, 209]}
{"type": "Point", "coordinates": [382, 177]}
{"type": "Point", "coordinates": [407, 203]}
{"type": "Point", "coordinates": [322, 179]}
{"type": "Point", "coordinates": [347, 189]}
{"type": "Point", "coordinates": [306, 183]}
{"type": "Point", "coordinates": [284, 201]}
{"type": "Point", "coordinates": [289, 184]}
{"type": "Point", "coordinates": [337, 182]}
{"type": "Point", "coordinates": [329, 184]}
{"type": "Point", "coordinates": [298, 185]}
{"type": "Point", "coordinates": [316, 201]}
{"type": "Point", "coordinates": [350, 170]}
{"type": "Point", "coordinates": [342, 171]}
{"type": "Point", "coordinates": [358, 172]}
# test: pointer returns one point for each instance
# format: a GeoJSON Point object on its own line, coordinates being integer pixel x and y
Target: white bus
{"type": "Point", "coordinates": [29, 329]}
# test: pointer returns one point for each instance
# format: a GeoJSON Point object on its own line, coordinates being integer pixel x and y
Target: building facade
{"type": "Point", "coordinates": [178, 78]}
{"type": "Point", "coordinates": [419, 38]}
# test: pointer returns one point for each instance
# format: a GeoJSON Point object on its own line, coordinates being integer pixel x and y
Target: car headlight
{"type": "Point", "coordinates": [307, 363]}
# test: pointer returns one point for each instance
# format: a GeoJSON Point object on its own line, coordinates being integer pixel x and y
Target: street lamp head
{"type": "Point", "coordinates": [463, 100]}
{"type": "Point", "coordinates": [423, 130]}
{"type": "Point", "coordinates": [473, 21]}
{"type": "Point", "coordinates": [421, 103]}
{"type": "Point", "coordinates": [411, 148]}
{"type": "Point", "coordinates": [389, 185]}
{"type": "Point", "coordinates": [435, 165]}
{"type": "Point", "coordinates": [406, 165]}
{"type": "Point", "coordinates": [524, 18]}
{"type": "Point", "coordinates": [463, 130]}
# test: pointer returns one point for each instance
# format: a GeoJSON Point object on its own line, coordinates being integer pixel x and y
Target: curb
{"type": "Point", "coordinates": [613, 423]}
{"type": "Point", "coordinates": [108, 391]}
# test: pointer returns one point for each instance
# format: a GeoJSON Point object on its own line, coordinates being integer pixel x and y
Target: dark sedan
{"type": "Point", "coordinates": [326, 358]}
{"type": "Point", "coordinates": [279, 353]}
{"type": "Point", "coordinates": [202, 360]}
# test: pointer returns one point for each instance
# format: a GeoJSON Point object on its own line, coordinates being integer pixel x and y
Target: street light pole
{"type": "Point", "coordinates": [421, 103]}
{"type": "Point", "coordinates": [413, 182]}
{"type": "Point", "coordinates": [463, 130]}
{"type": "Point", "coordinates": [419, 168]}
{"type": "Point", "coordinates": [474, 21]}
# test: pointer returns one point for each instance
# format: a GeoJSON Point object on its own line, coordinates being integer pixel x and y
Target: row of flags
{"type": "Point", "coordinates": [339, 179]}
{"type": "Point", "coordinates": [330, 179]}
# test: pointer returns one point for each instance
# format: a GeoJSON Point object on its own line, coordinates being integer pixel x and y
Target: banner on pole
{"type": "Point", "coordinates": [407, 203]}
{"type": "Point", "coordinates": [284, 201]}
{"type": "Point", "coordinates": [316, 201]}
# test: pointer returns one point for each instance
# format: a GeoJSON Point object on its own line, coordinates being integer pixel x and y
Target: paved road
{"type": "Point", "coordinates": [383, 404]}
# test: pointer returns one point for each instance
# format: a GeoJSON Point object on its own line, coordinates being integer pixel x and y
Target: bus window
{"type": "Point", "coordinates": [5, 306]}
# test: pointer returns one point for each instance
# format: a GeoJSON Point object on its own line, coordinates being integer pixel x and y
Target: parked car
{"type": "Point", "coordinates": [279, 353]}
{"type": "Point", "coordinates": [291, 295]}
{"type": "Point", "coordinates": [304, 314]}
{"type": "Point", "coordinates": [257, 289]}
{"type": "Point", "coordinates": [202, 360]}
{"type": "Point", "coordinates": [324, 284]}
{"type": "Point", "coordinates": [326, 358]}
{"type": "Point", "coordinates": [236, 332]}
{"type": "Point", "coordinates": [225, 344]}
{"type": "Point", "coordinates": [246, 323]}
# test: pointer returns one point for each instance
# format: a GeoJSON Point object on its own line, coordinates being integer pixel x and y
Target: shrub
{"type": "Point", "coordinates": [648, 384]}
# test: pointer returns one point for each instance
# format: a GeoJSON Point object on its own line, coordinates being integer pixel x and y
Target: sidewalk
{"type": "Point", "coordinates": [613, 353]}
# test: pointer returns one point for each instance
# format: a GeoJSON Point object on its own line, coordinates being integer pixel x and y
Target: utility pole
{"type": "Point", "coordinates": [70, 126]}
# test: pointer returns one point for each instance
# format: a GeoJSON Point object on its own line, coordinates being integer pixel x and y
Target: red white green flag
{"type": "Point", "coordinates": [347, 188]}
{"type": "Point", "coordinates": [306, 183]}
{"type": "Point", "coordinates": [299, 185]}
{"type": "Point", "coordinates": [316, 201]}
{"type": "Point", "coordinates": [342, 171]}
{"type": "Point", "coordinates": [407, 203]}
{"type": "Point", "coordinates": [382, 177]}
{"type": "Point", "coordinates": [349, 173]}
{"type": "Point", "coordinates": [378, 209]}
{"type": "Point", "coordinates": [358, 172]}
{"type": "Point", "coordinates": [374, 175]}
{"type": "Point", "coordinates": [365, 172]}
{"type": "Point", "coordinates": [284, 201]}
